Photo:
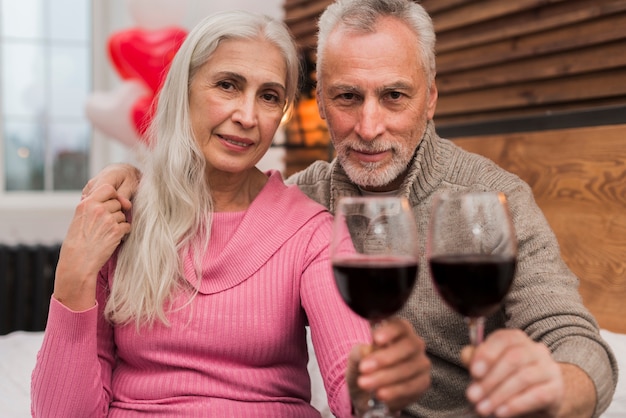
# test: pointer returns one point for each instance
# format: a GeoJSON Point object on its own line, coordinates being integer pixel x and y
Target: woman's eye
{"type": "Point", "coordinates": [226, 85]}
{"type": "Point", "coordinates": [270, 97]}
{"type": "Point", "coordinates": [274, 99]}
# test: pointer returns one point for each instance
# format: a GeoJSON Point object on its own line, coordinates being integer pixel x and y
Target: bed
{"type": "Point", "coordinates": [579, 180]}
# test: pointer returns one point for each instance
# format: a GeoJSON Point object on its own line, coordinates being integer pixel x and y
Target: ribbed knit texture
{"type": "Point", "coordinates": [238, 350]}
{"type": "Point", "coordinates": [544, 300]}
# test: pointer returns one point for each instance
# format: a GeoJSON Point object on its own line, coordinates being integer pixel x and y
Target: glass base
{"type": "Point", "coordinates": [378, 410]}
{"type": "Point", "coordinates": [468, 413]}
{"type": "Point", "coordinates": [378, 413]}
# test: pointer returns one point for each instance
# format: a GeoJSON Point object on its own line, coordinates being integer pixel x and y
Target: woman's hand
{"type": "Point", "coordinates": [397, 371]}
{"type": "Point", "coordinates": [98, 226]}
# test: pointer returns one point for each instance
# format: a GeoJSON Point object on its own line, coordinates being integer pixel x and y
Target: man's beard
{"type": "Point", "coordinates": [374, 174]}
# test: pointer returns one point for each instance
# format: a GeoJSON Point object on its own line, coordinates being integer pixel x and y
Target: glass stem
{"type": "Point", "coordinates": [476, 330]}
{"type": "Point", "coordinates": [476, 334]}
{"type": "Point", "coordinates": [377, 409]}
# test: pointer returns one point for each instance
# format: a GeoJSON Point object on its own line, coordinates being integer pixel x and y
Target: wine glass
{"type": "Point", "coordinates": [374, 253]}
{"type": "Point", "coordinates": [472, 254]}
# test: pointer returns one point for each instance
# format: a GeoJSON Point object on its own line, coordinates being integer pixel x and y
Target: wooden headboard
{"type": "Point", "coordinates": [578, 177]}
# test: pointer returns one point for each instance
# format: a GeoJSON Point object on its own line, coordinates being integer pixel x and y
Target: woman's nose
{"type": "Point", "coordinates": [245, 112]}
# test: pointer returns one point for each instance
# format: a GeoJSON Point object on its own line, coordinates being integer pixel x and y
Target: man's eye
{"type": "Point", "coordinates": [347, 96]}
{"type": "Point", "coordinates": [395, 95]}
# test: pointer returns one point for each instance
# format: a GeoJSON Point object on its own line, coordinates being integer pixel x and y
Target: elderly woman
{"type": "Point", "coordinates": [202, 310]}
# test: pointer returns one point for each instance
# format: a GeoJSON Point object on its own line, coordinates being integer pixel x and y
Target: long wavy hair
{"type": "Point", "coordinates": [361, 16]}
{"type": "Point", "coordinates": [173, 208]}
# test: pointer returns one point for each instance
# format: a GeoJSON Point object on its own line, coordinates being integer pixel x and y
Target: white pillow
{"type": "Point", "coordinates": [18, 353]}
{"type": "Point", "coordinates": [617, 409]}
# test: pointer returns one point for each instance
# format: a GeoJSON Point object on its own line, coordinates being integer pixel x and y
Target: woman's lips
{"type": "Point", "coordinates": [235, 142]}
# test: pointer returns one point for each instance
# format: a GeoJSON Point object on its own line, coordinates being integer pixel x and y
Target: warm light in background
{"type": "Point", "coordinates": [306, 128]}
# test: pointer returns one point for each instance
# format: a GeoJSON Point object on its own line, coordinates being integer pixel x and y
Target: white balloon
{"type": "Point", "coordinates": [157, 14]}
{"type": "Point", "coordinates": [110, 112]}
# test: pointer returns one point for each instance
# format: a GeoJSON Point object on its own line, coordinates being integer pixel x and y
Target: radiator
{"type": "Point", "coordinates": [26, 283]}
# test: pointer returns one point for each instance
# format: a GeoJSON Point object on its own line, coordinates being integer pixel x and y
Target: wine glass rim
{"type": "Point", "coordinates": [351, 200]}
{"type": "Point", "coordinates": [392, 203]}
{"type": "Point", "coordinates": [455, 194]}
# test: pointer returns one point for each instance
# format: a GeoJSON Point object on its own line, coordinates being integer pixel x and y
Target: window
{"type": "Point", "coordinates": [45, 78]}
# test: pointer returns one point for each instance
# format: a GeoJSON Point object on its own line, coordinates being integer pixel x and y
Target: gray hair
{"type": "Point", "coordinates": [173, 206]}
{"type": "Point", "coordinates": [361, 16]}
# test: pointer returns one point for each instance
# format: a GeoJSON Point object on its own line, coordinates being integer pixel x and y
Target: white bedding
{"type": "Point", "coordinates": [19, 349]}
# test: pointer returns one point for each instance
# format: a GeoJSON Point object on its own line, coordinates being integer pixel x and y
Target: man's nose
{"type": "Point", "coordinates": [371, 120]}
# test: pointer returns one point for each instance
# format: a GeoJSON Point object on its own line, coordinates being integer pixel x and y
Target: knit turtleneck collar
{"type": "Point", "coordinates": [274, 216]}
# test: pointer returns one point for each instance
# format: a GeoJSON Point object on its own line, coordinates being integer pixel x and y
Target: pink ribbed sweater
{"type": "Point", "coordinates": [238, 350]}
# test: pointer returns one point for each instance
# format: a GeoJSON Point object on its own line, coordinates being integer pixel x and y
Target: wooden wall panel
{"type": "Point", "coordinates": [578, 177]}
{"type": "Point", "coordinates": [301, 17]}
{"type": "Point", "coordinates": [501, 59]}
{"type": "Point", "coordinates": [563, 90]}
{"type": "Point", "coordinates": [465, 14]}
{"type": "Point", "coordinates": [527, 22]}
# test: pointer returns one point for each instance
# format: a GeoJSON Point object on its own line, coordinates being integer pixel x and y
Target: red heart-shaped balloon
{"type": "Point", "coordinates": [145, 54]}
{"type": "Point", "coordinates": [142, 112]}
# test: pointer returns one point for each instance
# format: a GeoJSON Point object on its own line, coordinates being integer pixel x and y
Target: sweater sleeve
{"type": "Point", "coordinates": [545, 303]}
{"type": "Point", "coordinates": [72, 374]}
{"type": "Point", "coordinates": [335, 329]}
{"type": "Point", "coordinates": [544, 300]}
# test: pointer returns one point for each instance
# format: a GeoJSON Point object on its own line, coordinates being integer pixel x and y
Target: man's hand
{"type": "Point", "coordinates": [397, 370]}
{"type": "Point", "coordinates": [515, 376]}
{"type": "Point", "coordinates": [123, 177]}
{"type": "Point", "coordinates": [98, 226]}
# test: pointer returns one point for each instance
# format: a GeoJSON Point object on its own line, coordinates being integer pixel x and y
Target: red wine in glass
{"type": "Point", "coordinates": [375, 288]}
{"type": "Point", "coordinates": [374, 253]}
{"type": "Point", "coordinates": [473, 284]}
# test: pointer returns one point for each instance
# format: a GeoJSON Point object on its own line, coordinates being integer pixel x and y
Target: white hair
{"type": "Point", "coordinates": [361, 16]}
{"type": "Point", "coordinates": [172, 210]}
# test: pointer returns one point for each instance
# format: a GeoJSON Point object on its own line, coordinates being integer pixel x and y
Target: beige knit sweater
{"type": "Point", "coordinates": [543, 302]}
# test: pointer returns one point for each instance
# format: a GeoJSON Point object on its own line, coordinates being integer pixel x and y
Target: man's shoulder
{"type": "Point", "coordinates": [470, 166]}
{"type": "Point", "coordinates": [314, 181]}
{"type": "Point", "coordinates": [318, 171]}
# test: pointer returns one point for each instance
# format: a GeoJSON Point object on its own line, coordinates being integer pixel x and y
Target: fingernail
{"type": "Point", "coordinates": [367, 365]}
{"type": "Point", "coordinates": [479, 369]}
{"type": "Point", "coordinates": [502, 411]}
{"type": "Point", "coordinates": [474, 393]}
{"type": "Point", "coordinates": [364, 382]}
{"type": "Point", "coordinates": [484, 407]}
